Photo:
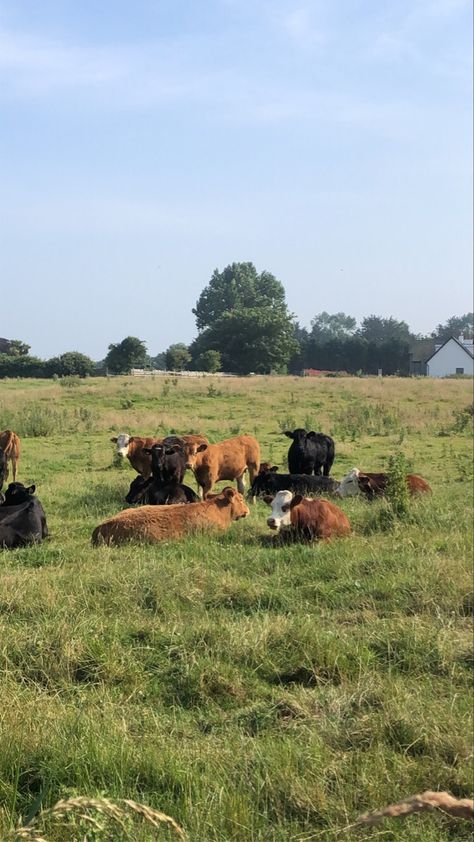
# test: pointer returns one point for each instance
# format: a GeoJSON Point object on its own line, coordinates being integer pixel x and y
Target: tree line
{"type": "Point", "coordinates": [244, 326]}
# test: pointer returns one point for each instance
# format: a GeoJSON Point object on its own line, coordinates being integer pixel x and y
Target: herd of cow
{"type": "Point", "coordinates": [159, 493]}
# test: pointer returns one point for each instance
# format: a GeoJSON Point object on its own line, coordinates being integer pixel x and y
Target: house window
{"type": "Point", "coordinates": [459, 371]}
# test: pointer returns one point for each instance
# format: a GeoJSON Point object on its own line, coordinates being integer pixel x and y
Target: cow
{"type": "Point", "coordinates": [309, 452]}
{"type": "Point", "coordinates": [22, 517]}
{"type": "Point", "coordinates": [162, 523]}
{"type": "Point", "coordinates": [146, 492]}
{"type": "Point", "coordinates": [375, 484]}
{"type": "Point", "coordinates": [168, 463]}
{"type": "Point", "coordinates": [10, 444]}
{"type": "Point", "coordinates": [227, 460]}
{"type": "Point", "coordinates": [271, 482]}
{"type": "Point", "coordinates": [3, 470]}
{"type": "Point", "coordinates": [307, 519]}
{"type": "Point", "coordinates": [132, 448]}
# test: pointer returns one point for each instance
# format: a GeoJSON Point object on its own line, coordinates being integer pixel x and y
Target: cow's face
{"type": "Point", "coordinates": [230, 497]}
{"type": "Point", "coordinates": [298, 436]}
{"type": "Point", "coordinates": [17, 493]}
{"type": "Point", "coordinates": [281, 510]}
{"type": "Point", "coordinates": [122, 442]}
{"type": "Point", "coordinates": [349, 486]}
{"type": "Point", "coordinates": [192, 455]}
{"type": "Point", "coordinates": [267, 468]}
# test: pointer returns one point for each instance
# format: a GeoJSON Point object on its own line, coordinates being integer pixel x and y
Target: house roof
{"type": "Point", "coordinates": [464, 348]}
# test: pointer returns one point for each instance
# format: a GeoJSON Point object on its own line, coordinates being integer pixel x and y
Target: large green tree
{"type": "Point", "coordinates": [327, 326]}
{"type": "Point", "coordinates": [379, 329]}
{"type": "Point", "coordinates": [72, 362]}
{"type": "Point", "coordinates": [177, 357]}
{"type": "Point", "coordinates": [125, 355]}
{"type": "Point", "coordinates": [455, 326]}
{"type": "Point", "coordinates": [243, 315]}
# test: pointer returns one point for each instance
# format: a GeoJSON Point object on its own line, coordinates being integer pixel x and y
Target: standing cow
{"type": "Point", "coordinates": [227, 460]}
{"type": "Point", "coordinates": [309, 452]}
{"type": "Point", "coordinates": [10, 444]}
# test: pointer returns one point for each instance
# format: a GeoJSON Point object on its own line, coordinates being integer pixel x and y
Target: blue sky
{"type": "Point", "coordinates": [144, 144]}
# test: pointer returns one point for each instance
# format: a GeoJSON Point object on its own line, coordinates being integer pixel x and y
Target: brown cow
{"type": "Point", "coordinates": [132, 448]}
{"type": "Point", "coordinates": [307, 518]}
{"type": "Point", "coordinates": [10, 444]}
{"type": "Point", "coordinates": [161, 523]}
{"type": "Point", "coordinates": [227, 460]}
{"type": "Point", "coordinates": [375, 484]}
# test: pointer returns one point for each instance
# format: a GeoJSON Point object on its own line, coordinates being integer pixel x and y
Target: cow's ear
{"type": "Point", "coordinates": [268, 499]}
{"type": "Point", "coordinates": [228, 493]}
{"type": "Point", "coordinates": [296, 501]}
{"type": "Point", "coordinates": [289, 434]}
{"type": "Point", "coordinates": [114, 439]}
{"type": "Point", "coordinates": [201, 448]}
{"type": "Point", "coordinates": [274, 469]}
{"type": "Point", "coordinates": [31, 489]}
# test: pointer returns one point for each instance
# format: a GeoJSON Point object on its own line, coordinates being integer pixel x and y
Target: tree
{"type": "Point", "coordinates": [326, 326]}
{"type": "Point", "coordinates": [177, 357]}
{"type": "Point", "coordinates": [70, 363]}
{"type": "Point", "coordinates": [244, 316]}
{"type": "Point", "coordinates": [159, 361]}
{"type": "Point", "coordinates": [378, 329]}
{"type": "Point", "coordinates": [454, 327]}
{"type": "Point", "coordinates": [125, 355]}
{"type": "Point", "coordinates": [210, 361]}
{"type": "Point", "coordinates": [18, 348]}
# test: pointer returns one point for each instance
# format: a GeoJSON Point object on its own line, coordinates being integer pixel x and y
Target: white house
{"type": "Point", "coordinates": [455, 356]}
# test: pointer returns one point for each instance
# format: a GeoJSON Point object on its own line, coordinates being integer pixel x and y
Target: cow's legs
{"type": "Point", "coordinates": [240, 484]}
{"type": "Point", "coordinates": [206, 488]}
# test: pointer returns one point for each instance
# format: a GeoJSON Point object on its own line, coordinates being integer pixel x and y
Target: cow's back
{"type": "Point", "coordinates": [320, 518]}
{"type": "Point", "coordinates": [230, 456]}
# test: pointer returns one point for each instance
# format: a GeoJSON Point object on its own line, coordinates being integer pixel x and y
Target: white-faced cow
{"type": "Point", "coordinates": [373, 485]}
{"type": "Point", "coordinates": [308, 519]}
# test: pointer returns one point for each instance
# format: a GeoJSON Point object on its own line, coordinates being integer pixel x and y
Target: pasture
{"type": "Point", "coordinates": [251, 691]}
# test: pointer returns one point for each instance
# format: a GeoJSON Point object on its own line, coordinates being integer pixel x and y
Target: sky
{"type": "Point", "coordinates": [145, 144]}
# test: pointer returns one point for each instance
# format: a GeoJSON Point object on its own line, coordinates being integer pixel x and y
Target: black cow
{"type": "Point", "coordinates": [269, 482]}
{"type": "Point", "coordinates": [22, 517]}
{"type": "Point", "coordinates": [147, 492]}
{"type": "Point", "coordinates": [168, 463]}
{"type": "Point", "coordinates": [3, 472]}
{"type": "Point", "coordinates": [309, 452]}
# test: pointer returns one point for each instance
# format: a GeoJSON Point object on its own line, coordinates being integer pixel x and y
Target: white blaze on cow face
{"type": "Point", "coordinates": [349, 486]}
{"type": "Point", "coordinates": [122, 442]}
{"type": "Point", "coordinates": [281, 512]}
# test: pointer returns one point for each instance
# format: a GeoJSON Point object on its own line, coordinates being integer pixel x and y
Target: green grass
{"type": "Point", "coordinates": [250, 690]}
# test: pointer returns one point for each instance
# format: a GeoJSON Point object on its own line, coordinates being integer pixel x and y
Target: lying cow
{"type": "Point", "coordinates": [307, 519]}
{"type": "Point", "coordinates": [145, 492]}
{"type": "Point", "coordinates": [269, 482]}
{"type": "Point", "coordinates": [10, 444]}
{"type": "Point", "coordinates": [227, 460]}
{"type": "Point", "coordinates": [375, 484]}
{"type": "Point", "coordinates": [310, 452]}
{"type": "Point", "coordinates": [22, 518]}
{"type": "Point", "coordinates": [156, 523]}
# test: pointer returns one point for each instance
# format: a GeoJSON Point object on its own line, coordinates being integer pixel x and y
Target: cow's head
{"type": "Point", "coordinates": [230, 497]}
{"type": "Point", "coordinates": [17, 493]}
{"type": "Point", "coordinates": [300, 435]}
{"type": "Point", "coordinates": [267, 468]}
{"type": "Point", "coordinates": [281, 505]}
{"type": "Point", "coordinates": [192, 456]}
{"type": "Point", "coordinates": [122, 442]}
{"type": "Point", "coordinates": [349, 485]}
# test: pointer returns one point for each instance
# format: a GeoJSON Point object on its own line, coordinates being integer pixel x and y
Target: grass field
{"type": "Point", "coordinates": [253, 692]}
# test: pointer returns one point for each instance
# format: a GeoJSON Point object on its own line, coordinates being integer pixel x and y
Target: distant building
{"type": "Point", "coordinates": [5, 345]}
{"type": "Point", "coordinates": [455, 356]}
